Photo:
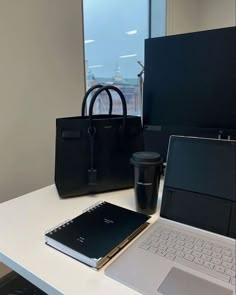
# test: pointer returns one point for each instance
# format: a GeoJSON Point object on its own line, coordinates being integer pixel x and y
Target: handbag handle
{"type": "Point", "coordinates": [106, 88]}
{"type": "Point", "coordinates": [86, 97]}
{"type": "Point", "coordinates": [92, 171]}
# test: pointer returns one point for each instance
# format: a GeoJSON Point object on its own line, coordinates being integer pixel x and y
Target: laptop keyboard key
{"type": "Point", "coordinates": [156, 234]}
{"type": "Point", "coordinates": [170, 244]}
{"type": "Point", "coordinates": [217, 249]}
{"type": "Point", "coordinates": [227, 253]}
{"type": "Point", "coordinates": [171, 250]}
{"type": "Point", "coordinates": [180, 253]}
{"type": "Point", "coordinates": [197, 254]}
{"type": "Point", "coordinates": [206, 257]}
{"type": "Point", "coordinates": [189, 257]}
{"type": "Point", "coordinates": [153, 238]}
{"type": "Point", "coordinates": [170, 256]}
{"type": "Point", "coordinates": [199, 243]}
{"type": "Point", "coordinates": [154, 244]}
{"type": "Point", "coordinates": [162, 247]}
{"type": "Point", "coordinates": [219, 268]}
{"type": "Point", "coordinates": [187, 251]}
{"type": "Point", "coordinates": [182, 237]}
{"type": "Point", "coordinates": [162, 242]}
{"type": "Point", "coordinates": [147, 241]}
{"type": "Point", "coordinates": [197, 248]}
{"type": "Point", "coordinates": [178, 247]}
{"type": "Point", "coordinates": [152, 250]}
{"type": "Point", "coordinates": [207, 246]}
{"type": "Point", "coordinates": [180, 243]}
{"type": "Point", "coordinates": [173, 234]}
{"type": "Point", "coordinates": [230, 273]}
{"type": "Point", "coordinates": [227, 259]}
{"type": "Point", "coordinates": [216, 261]}
{"type": "Point", "coordinates": [172, 239]}
{"type": "Point", "coordinates": [227, 265]}
{"type": "Point", "coordinates": [217, 255]}
{"type": "Point", "coordinates": [144, 246]}
{"type": "Point", "coordinates": [161, 253]}
{"type": "Point", "coordinates": [209, 264]}
{"type": "Point", "coordinates": [189, 245]}
{"type": "Point", "coordinates": [164, 237]}
{"type": "Point", "coordinates": [199, 261]}
{"type": "Point", "coordinates": [190, 239]}
{"type": "Point", "coordinates": [207, 252]}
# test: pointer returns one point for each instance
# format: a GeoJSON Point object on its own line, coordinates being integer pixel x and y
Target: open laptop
{"type": "Point", "coordinates": [190, 249]}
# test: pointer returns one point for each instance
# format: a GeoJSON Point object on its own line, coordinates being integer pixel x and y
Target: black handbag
{"type": "Point", "coordinates": [93, 152]}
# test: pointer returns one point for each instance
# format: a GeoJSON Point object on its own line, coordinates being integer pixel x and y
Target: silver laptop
{"type": "Point", "coordinates": [190, 249]}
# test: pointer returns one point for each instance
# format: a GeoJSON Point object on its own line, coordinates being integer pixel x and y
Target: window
{"type": "Point", "coordinates": [114, 33]}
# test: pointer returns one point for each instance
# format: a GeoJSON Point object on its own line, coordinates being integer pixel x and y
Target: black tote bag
{"type": "Point", "coordinates": [93, 152]}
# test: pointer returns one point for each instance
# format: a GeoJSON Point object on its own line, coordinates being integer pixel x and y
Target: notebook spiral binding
{"type": "Point", "coordinates": [69, 221]}
{"type": "Point", "coordinates": [59, 226]}
{"type": "Point", "coordinates": [94, 207]}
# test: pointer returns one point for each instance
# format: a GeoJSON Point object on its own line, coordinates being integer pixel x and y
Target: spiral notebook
{"type": "Point", "coordinates": [97, 234]}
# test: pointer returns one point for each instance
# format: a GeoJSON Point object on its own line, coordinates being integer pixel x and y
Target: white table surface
{"type": "Point", "coordinates": [23, 222]}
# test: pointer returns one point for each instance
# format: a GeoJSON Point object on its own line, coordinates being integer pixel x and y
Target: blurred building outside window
{"type": "Point", "coordinates": [114, 34]}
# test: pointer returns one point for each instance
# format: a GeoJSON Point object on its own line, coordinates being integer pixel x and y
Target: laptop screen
{"type": "Point", "coordinates": [200, 184]}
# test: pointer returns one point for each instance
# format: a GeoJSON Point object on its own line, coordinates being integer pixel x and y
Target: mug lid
{"type": "Point", "coordinates": [146, 158]}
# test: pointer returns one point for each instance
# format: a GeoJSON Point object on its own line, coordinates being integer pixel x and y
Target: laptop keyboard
{"type": "Point", "coordinates": [199, 254]}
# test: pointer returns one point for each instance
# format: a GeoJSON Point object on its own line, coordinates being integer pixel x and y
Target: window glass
{"type": "Point", "coordinates": [114, 33]}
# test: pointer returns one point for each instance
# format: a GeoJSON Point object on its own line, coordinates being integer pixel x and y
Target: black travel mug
{"type": "Point", "coordinates": [147, 174]}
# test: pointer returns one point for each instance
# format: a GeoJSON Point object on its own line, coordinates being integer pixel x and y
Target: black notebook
{"type": "Point", "coordinates": [96, 235]}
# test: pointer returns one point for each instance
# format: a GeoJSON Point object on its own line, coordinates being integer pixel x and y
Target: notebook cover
{"type": "Point", "coordinates": [96, 232]}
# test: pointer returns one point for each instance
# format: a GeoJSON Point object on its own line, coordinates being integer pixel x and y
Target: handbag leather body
{"type": "Point", "coordinates": [93, 152]}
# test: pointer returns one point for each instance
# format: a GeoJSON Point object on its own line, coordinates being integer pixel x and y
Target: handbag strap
{"type": "Point", "coordinates": [91, 89]}
{"type": "Point", "coordinates": [92, 172]}
{"type": "Point", "coordinates": [94, 97]}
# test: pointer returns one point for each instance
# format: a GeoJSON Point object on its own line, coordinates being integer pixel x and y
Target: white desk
{"type": "Point", "coordinates": [23, 222]}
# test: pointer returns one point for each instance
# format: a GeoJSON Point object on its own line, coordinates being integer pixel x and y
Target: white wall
{"type": "Point", "coordinates": [217, 14]}
{"type": "Point", "coordinates": [184, 16]}
{"type": "Point", "coordinates": [41, 78]}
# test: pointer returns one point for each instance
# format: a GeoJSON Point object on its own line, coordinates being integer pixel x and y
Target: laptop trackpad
{"type": "Point", "coordinates": [179, 282]}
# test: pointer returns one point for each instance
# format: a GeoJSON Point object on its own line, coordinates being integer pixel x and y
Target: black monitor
{"type": "Point", "coordinates": [190, 83]}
